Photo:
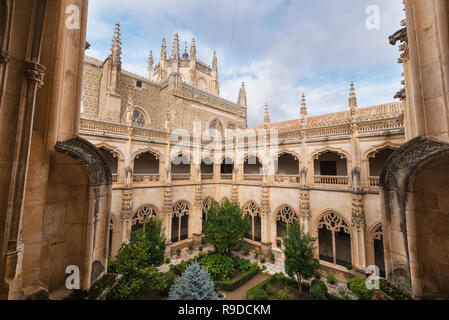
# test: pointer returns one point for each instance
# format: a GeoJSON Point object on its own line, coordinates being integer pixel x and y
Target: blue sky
{"type": "Point", "coordinates": [279, 48]}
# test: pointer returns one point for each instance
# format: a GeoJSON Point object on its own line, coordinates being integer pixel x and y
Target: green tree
{"type": "Point", "coordinates": [152, 238]}
{"type": "Point", "coordinates": [299, 253]}
{"type": "Point", "coordinates": [226, 227]}
{"type": "Point", "coordinates": [195, 284]}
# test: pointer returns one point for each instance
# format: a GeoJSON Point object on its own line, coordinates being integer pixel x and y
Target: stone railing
{"type": "Point", "coordinates": [253, 177]}
{"type": "Point", "coordinates": [180, 176]}
{"type": "Point", "coordinates": [286, 179]}
{"type": "Point", "coordinates": [331, 180]}
{"type": "Point", "coordinates": [226, 176]}
{"type": "Point", "coordinates": [328, 131]}
{"type": "Point", "coordinates": [145, 178]}
{"type": "Point", "coordinates": [96, 126]}
{"type": "Point", "coordinates": [374, 182]}
{"type": "Point", "coordinates": [207, 176]}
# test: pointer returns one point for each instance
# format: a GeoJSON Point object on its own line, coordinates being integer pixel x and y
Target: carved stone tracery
{"type": "Point", "coordinates": [287, 215]}
{"type": "Point", "coordinates": [333, 222]}
{"type": "Point", "coordinates": [143, 213]}
{"type": "Point", "coordinates": [181, 208]}
{"type": "Point", "coordinates": [251, 209]}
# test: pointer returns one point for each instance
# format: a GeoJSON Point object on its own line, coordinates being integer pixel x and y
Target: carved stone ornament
{"type": "Point", "coordinates": [4, 57]}
{"type": "Point", "coordinates": [35, 72]}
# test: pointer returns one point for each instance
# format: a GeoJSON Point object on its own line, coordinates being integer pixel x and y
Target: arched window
{"type": "Point", "coordinates": [138, 118]}
{"type": "Point", "coordinates": [330, 164]}
{"type": "Point", "coordinates": [146, 163]}
{"type": "Point", "coordinates": [287, 164]}
{"type": "Point", "coordinates": [143, 214]}
{"type": "Point", "coordinates": [334, 240]}
{"type": "Point", "coordinates": [111, 159]}
{"type": "Point", "coordinates": [252, 166]}
{"type": "Point", "coordinates": [284, 217]}
{"type": "Point", "coordinates": [227, 166]}
{"type": "Point", "coordinates": [180, 221]}
{"type": "Point", "coordinates": [378, 242]}
{"type": "Point", "coordinates": [377, 161]}
{"type": "Point", "coordinates": [207, 203]}
{"type": "Point", "coordinates": [253, 210]}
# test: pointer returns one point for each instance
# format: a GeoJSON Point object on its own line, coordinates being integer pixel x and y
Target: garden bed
{"type": "Point", "coordinates": [270, 289]}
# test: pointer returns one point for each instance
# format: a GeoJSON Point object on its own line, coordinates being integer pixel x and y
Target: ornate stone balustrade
{"type": "Point", "coordinates": [253, 177]}
{"type": "Point", "coordinates": [87, 125]}
{"type": "Point", "coordinates": [331, 180]}
{"type": "Point", "coordinates": [286, 179]}
{"type": "Point", "coordinates": [180, 176]}
{"type": "Point", "coordinates": [374, 181]}
{"type": "Point", "coordinates": [226, 176]}
{"type": "Point", "coordinates": [207, 176]}
{"type": "Point", "coordinates": [145, 178]}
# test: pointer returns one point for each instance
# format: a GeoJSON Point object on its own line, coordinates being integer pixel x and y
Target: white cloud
{"type": "Point", "coordinates": [279, 48]}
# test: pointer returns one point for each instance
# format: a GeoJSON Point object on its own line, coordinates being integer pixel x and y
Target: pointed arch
{"type": "Point", "coordinates": [376, 149]}
{"type": "Point", "coordinates": [152, 150]}
{"type": "Point", "coordinates": [339, 151]}
{"type": "Point", "coordinates": [114, 150]}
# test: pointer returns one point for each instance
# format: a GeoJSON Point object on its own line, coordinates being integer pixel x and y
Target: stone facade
{"type": "Point", "coordinates": [300, 188]}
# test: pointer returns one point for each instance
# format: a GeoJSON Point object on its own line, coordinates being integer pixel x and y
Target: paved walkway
{"type": "Point", "coordinates": [240, 292]}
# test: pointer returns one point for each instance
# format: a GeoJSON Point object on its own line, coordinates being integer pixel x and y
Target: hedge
{"type": "Point", "coordinates": [107, 282]}
{"type": "Point", "coordinates": [230, 285]}
{"type": "Point", "coordinates": [250, 294]}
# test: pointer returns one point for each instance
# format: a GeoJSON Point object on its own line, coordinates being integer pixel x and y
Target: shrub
{"type": "Point", "coordinates": [392, 291]}
{"type": "Point", "coordinates": [331, 279]}
{"type": "Point", "coordinates": [259, 294]}
{"type": "Point", "coordinates": [230, 285]}
{"type": "Point", "coordinates": [190, 247]}
{"type": "Point", "coordinates": [178, 252]}
{"type": "Point", "coordinates": [167, 260]}
{"type": "Point", "coordinates": [284, 294]}
{"type": "Point", "coordinates": [264, 268]}
{"type": "Point", "coordinates": [200, 248]}
{"type": "Point", "coordinates": [263, 260]}
{"type": "Point", "coordinates": [317, 276]}
{"type": "Point", "coordinates": [331, 296]}
{"type": "Point", "coordinates": [318, 291]}
{"type": "Point", "coordinates": [219, 266]}
{"type": "Point", "coordinates": [348, 266]}
{"type": "Point", "coordinates": [107, 281]}
{"type": "Point", "coordinates": [269, 289]}
{"type": "Point", "coordinates": [152, 238]}
{"type": "Point", "coordinates": [168, 279]}
{"type": "Point", "coordinates": [358, 286]}
{"type": "Point", "coordinates": [242, 264]}
{"type": "Point", "coordinates": [273, 258]}
{"type": "Point", "coordinates": [246, 249]}
{"type": "Point", "coordinates": [256, 254]}
{"type": "Point", "coordinates": [195, 284]}
{"type": "Point", "coordinates": [203, 241]}
{"type": "Point", "coordinates": [305, 287]}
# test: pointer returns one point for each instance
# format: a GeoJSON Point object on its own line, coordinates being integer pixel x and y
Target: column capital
{"type": "Point", "coordinates": [35, 73]}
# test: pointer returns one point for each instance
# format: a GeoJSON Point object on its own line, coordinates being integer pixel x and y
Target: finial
{"type": "Point", "coordinates": [185, 55]}
{"type": "Point", "coordinates": [116, 47]}
{"type": "Point", "coordinates": [193, 48]}
{"type": "Point", "coordinates": [175, 53]}
{"type": "Point", "coordinates": [163, 50]}
{"type": "Point", "coordinates": [242, 96]}
{"type": "Point", "coordinates": [267, 114]}
{"type": "Point", "coordinates": [303, 106]}
{"type": "Point", "coordinates": [214, 61]}
{"type": "Point", "coordinates": [352, 97]}
{"type": "Point", "coordinates": [150, 59]}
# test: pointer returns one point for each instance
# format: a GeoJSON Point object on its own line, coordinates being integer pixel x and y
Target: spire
{"type": "Point", "coordinates": [242, 96]}
{"type": "Point", "coordinates": [267, 114]}
{"type": "Point", "coordinates": [352, 97]}
{"type": "Point", "coordinates": [215, 62]}
{"type": "Point", "coordinates": [175, 52]}
{"type": "Point", "coordinates": [193, 50]}
{"type": "Point", "coordinates": [164, 50]}
{"type": "Point", "coordinates": [129, 108]}
{"type": "Point", "coordinates": [303, 106]}
{"type": "Point", "coordinates": [116, 47]}
{"type": "Point", "coordinates": [150, 64]}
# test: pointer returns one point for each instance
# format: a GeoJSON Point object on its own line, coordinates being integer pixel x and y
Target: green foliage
{"type": "Point", "coordinates": [263, 260]}
{"type": "Point", "coordinates": [178, 252]}
{"type": "Point", "coordinates": [107, 281]}
{"type": "Point", "coordinates": [318, 291]}
{"type": "Point", "coordinates": [152, 238]}
{"type": "Point", "coordinates": [259, 294]}
{"type": "Point", "coordinates": [393, 292]}
{"type": "Point", "coordinates": [358, 286]}
{"type": "Point", "coordinates": [167, 281]}
{"type": "Point", "coordinates": [130, 259]}
{"type": "Point", "coordinates": [299, 253]}
{"type": "Point", "coordinates": [195, 284]}
{"type": "Point", "coordinates": [264, 268]}
{"type": "Point", "coordinates": [269, 289]}
{"type": "Point", "coordinates": [348, 266]}
{"type": "Point", "coordinates": [331, 296]}
{"type": "Point", "coordinates": [331, 279]}
{"type": "Point", "coordinates": [284, 294]}
{"type": "Point", "coordinates": [305, 287]}
{"type": "Point", "coordinates": [230, 285]}
{"type": "Point", "coordinates": [317, 276]}
{"type": "Point", "coordinates": [226, 227]}
{"type": "Point", "coordinates": [219, 266]}
{"type": "Point", "coordinates": [145, 280]}
{"type": "Point", "coordinates": [273, 258]}
{"type": "Point", "coordinates": [242, 264]}
{"type": "Point", "coordinates": [246, 249]}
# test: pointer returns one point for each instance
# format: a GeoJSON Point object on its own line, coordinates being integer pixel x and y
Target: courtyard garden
{"type": "Point", "coordinates": [224, 267]}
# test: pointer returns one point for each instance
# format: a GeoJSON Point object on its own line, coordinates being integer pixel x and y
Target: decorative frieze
{"type": "Point", "coordinates": [265, 202]}
{"type": "Point", "coordinates": [198, 203]}
{"type": "Point", "coordinates": [168, 200]}
{"type": "Point", "coordinates": [127, 205]}
{"type": "Point", "coordinates": [235, 194]}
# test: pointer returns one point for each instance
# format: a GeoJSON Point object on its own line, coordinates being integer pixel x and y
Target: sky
{"type": "Point", "coordinates": [279, 48]}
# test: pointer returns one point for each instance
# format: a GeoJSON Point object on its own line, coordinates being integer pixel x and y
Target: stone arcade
{"type": "Point", "coordinates": [86, 150]}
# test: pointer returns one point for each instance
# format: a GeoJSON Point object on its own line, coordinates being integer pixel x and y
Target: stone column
{"type": "Point", "coordinates": [196, 215]}
{"type": "Point", "coordinates": [168, 214]}
{"type": "Point", "coordinates": [304, 209]}
{"type": "Point", "coordinates": [127, 214]}
{"type": "Point", "coordinates": [265, 221]}
{"type": "Point", "coordinates": [358, 231]}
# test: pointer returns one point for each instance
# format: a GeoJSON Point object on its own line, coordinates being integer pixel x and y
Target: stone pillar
{"type": "Point", "coordinates": [265, 221]}
{"type": "Point", "coordinates": [167, 210]}
{"type": "Point", "coordinates": [196, 215]}
{"type": "Point", "coordinates": [127, 214]}
{"type": "Point", "coordinates": [304, 209]}
{"type": "Point", "coordinates": [358, 232]}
